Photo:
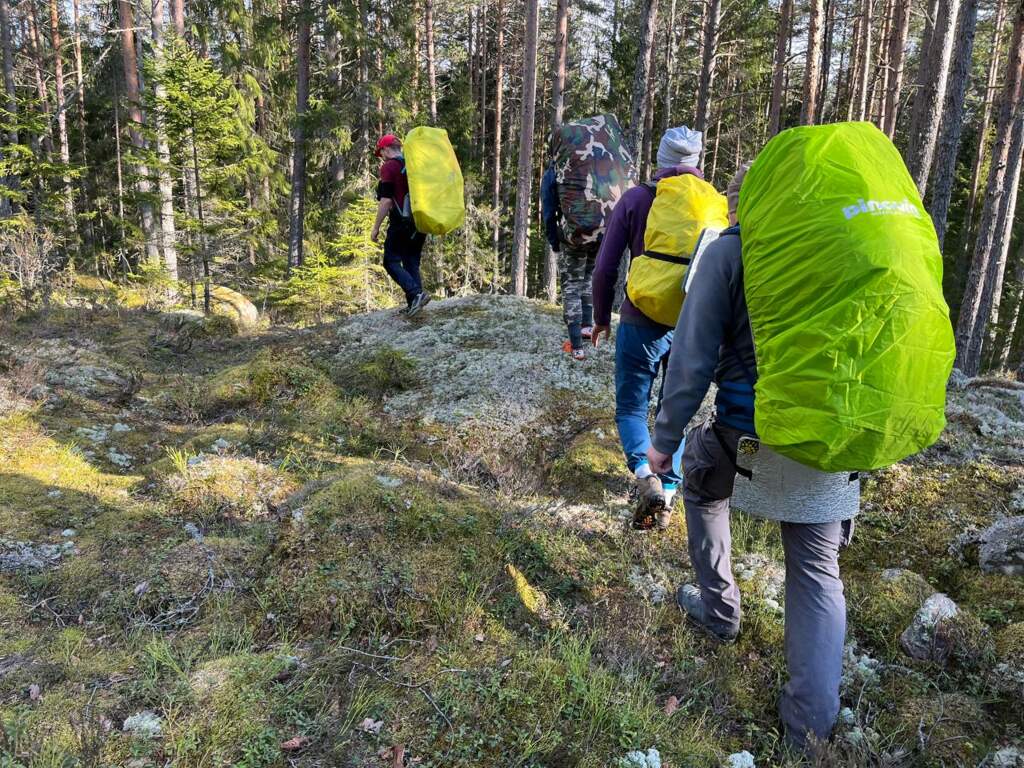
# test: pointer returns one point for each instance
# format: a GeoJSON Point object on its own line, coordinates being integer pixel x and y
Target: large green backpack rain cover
{"type": "Point", "coordinates": [843, 282]}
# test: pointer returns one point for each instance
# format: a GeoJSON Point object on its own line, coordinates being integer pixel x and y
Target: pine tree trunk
{"type": "Point", "coordinates": [561, 46]}
{"type": "Point", "coordinates": [178, 17]}
{"type": "Point", "coordinates": [364, 92]}
{"type": "Point", "coordinates": [644, 166]}
{"type": "Point", "coordinates": [415, 58]}
{"type": "Point", "coordinates": [876, 97]}
{"type": "Point", "coordinates": [812, 67]}
{"type": "Point", "coordinates": [863, 73]}
{"type": "Point", "coordinates": [62, 124]}
{"type": "Point", "coordinates": [561, 49]}
{"type": "Point", "coordinates": [499, 91]}
{"type": "Point", "coordinates": [671, 44]}
{"type": "Point", "coordinates": [296, 209]}
{"type": "Point", "coordinates": [169, 244]}
{"type": "Point", "coordinates": [897, 57]}
{"type": "Point", "coordinates": [949, 139]}
{"type": "Point", "coordinates": [10, 183]}
{"type": "Point", "coordinates": [1002, 358]}
{"type": "Point", "coordinates": [641, 76]}
{"type": "Point", "coordinates": [975, 309]}
{"type": "Point", "coordinates": [482, 37]}
{"type": "Point", "coordinates": [779, 67]}
{"type": "Point", "coordinates": [709, 58]}
{"type": "Point", "coordinates": [521, 243]}
{"type": "Point", "coordinates": [428, 24]}
{"type": "Point", "coordinates": [986, 118]}
{"type": "Point", "coordinates": [929, 100]}
{"type": "Point", "coordinates": [35, 45]}
{"type": "Point", "coordinates": [826, 58]}
{"type": "Point", "coordinates": [150, 228]}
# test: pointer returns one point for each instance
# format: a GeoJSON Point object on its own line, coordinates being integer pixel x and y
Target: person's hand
{"type": "Point", "coordinates": [660, 463]}
{"type": "Point", "coordinates": [595, 334]}
{"type": "Point", "coordinates": [375, 234]}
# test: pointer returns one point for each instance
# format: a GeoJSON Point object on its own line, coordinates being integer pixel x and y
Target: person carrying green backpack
{"type": "Point", "coordinates": [822, 321]}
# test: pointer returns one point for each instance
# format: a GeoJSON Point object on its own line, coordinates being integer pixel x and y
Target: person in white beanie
{"type": "Point", "coordinates": [641, 344]}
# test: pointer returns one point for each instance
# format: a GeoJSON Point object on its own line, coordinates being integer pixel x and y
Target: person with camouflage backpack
{"type": "Point", "coordinates": [589, 171]}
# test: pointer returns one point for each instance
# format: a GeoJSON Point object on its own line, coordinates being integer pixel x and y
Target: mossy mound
{"type": "Point", "coordinates": [882, 604]}
{"type": "Point", "coordinates": [210, 488]}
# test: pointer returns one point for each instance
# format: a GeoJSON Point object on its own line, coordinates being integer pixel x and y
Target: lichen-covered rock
{"type": "Point", "coordinates": [235, 306]}
{"type": "Point", "coordinates": [740, 760]}
{"type": "Point", "coordinates": [926, 638]}
{"type": "Point", "coordinates": [1007, 757]}
{"type": "Point", "coordinates": [1008, 671]}
{"type": "Point", "coordinates": [640, 759]}
{"type": "Point", "coordinates": [229, 486]}
{"type": "Point", "coordinates": [17, 556]}
{"type": "Point", "coordinates": [144, 725]}
{"type": "Point", "coordinates": [1002, 547]}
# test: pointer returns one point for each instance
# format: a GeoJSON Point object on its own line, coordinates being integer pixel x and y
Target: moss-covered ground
{"type": "Point", "coordinates": [283, 575]}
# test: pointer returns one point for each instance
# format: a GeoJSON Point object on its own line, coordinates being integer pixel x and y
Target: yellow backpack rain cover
{"type": "Point", "coordinates": [435, 181]}
{"type": "Point", "coordinates": [683, 207]}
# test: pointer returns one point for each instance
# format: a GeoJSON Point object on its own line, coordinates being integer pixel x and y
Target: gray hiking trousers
{"type": "Point", "coordinates": [815, 605]}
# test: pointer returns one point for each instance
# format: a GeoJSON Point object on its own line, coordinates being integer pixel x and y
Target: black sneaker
{"type": "Point", "coordinates": [421, 300]}
{"type": "Point", "coordinates": [689, 599]}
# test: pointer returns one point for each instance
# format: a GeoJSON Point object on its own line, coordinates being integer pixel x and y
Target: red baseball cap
{"type": "Point", "coordinates": [386, 140]}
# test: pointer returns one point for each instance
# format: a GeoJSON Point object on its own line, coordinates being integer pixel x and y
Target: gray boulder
{"type": "Point", "coordinates": [1002, 547]}
{"type": "Point", "coordinates": [926, 638]}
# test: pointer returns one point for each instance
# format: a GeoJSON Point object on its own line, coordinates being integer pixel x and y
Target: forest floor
{"type": "Point", "coordinates": [390, 542]}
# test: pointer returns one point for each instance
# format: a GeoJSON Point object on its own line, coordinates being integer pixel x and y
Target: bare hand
{"type": "Point", "coordinates": [595, 334]}
{"type": "Point", "coordinates": [660, 463]}
{"type": "Point", "coordinates": [375, 234]}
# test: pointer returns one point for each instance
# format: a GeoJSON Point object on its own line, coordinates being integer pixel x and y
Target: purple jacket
{"type": "Point", "coordinates": [626, 229]}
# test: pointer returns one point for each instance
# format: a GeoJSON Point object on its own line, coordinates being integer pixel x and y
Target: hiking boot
{"type": "Point", "coordinates": [577, 354]}
{"type": "Point", "coordinates": [688, 598]}
{"type": "Point", "coordinates": [421, 300]}
{"type": "Point", "coordinates": [650, 504]}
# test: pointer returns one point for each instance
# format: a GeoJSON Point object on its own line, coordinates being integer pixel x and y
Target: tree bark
{"type": "Point", "coordinates": [931, 82]}
{"type": "Point", "coordinates": [11, 183]}
{"type": "Point", "coordinates": [876, 97]}
{"type": "Point", "coordinates": [428, 24]}
{"type": "Point", "coordinates": [779, 67]}
{"type": "Point", "coordinates": [499, 91]}
{"type": "Point", "coordinates": [1002, 357]}
{"type": "Point", "coordinates": [709, 58]}
{"type": "Point", "coordinates": [826, 58]}
{"type": "Point", "coordinates": [296, 209]}
{"type": "Point", "coordinates": [949, 139]}
{"type": "Point", "coordinates": [897, 57]}
{"type": "Point", "coordinates": [975, 308]}
{"type": "Point", "coordinates": [986, 117]}
{"type": "Point", "coordinates": [521, 244]}
{"type": "Point", "coordinates": [169, 244]}
{"type": "Point", "coordinates": [150, 228]}
{"type": "Point", "coordinates": [178, 17]}
{"type": "Point", "coordinates": [35, 45]}
{"type": "Point", "coordinates": [671, 44]}
{"type": "Point", "coordinates": [813, 64]}
{"type": "Point", "coordinates": [863, 73]}
{"type": "Point", "coordinates": [561, 50]}
{"type": "Point", "coordinates": [641, 75]}
{"type": "Point", "coordinates": [415, 58]}
{"type": "Point", "coordinates": [62, 124]}
{"type": "Point", "coordinates": [482, 37]}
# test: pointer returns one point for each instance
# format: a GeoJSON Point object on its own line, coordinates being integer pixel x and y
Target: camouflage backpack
{"type": "Point", "coordinates": [593, 168]}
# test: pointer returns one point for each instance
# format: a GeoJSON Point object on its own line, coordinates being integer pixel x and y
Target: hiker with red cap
{"type": "Point", "coordinates": [403, 245]}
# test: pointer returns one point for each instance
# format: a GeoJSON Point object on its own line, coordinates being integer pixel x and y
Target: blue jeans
{"type": "Point", "coordinates": [640, 352]}
{"type": "Point", "coordinates": [403, 246]}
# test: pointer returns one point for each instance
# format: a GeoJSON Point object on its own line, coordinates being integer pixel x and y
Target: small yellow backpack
{"type": "Point", "coordinates": [683, 207]}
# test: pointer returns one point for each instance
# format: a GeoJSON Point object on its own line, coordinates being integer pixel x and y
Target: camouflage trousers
{"type": "Point", "coordinates": [575, 267]}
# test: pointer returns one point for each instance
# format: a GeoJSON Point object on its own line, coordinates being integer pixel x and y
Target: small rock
{"type": "Point", "coordinates": [67, 533]}
{"type": "Point", "coordinates": [19, 556]}
{"type": "Point", "coordinates": [220, 445]}
{"type": "Point", "coordinates": [640, 759]}
{"type": "Point", "coordinates": [145, 725]}
{"type": "Point", "coordinates": [387, 481]}
{"type": "Point", "coordinates": [924, 638]}
{"type": "Point", "coordinates": [369, 725]}
{"type": "Point", "coordinates": [119, 459]}
{"type": "Point", "coordinates": [55, 493]}
{"type": "Point", "coordinates": [773, 605]}
{"type": "Point", "coordinates": [34, 692]}
{"type": "Point", "coordinates": [1007, 757]}
{"type": "Point", "coordinates": [119, 427]}
{"type": "Point", "coordinates": [1002, 547]}
{"type": "Point", "coordinates": [193, 530]}
{"type": "Point", "coordinates": [740, 760]}
{"type": "Point", "coordinates": [847, 717]}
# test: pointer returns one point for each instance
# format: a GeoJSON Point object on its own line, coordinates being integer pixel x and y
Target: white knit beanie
{"type": "Point", "coordinates": [680, 146]}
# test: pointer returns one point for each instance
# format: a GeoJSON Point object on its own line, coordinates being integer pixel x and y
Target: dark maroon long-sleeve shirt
{"type": "Point", "coordinates": [626, 230]}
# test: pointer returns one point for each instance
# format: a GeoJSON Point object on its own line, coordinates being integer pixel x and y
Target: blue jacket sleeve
{"type": "Point", "coordinates": [550, 208]}
{"type": "Point", "coordinates": [702, 328]}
